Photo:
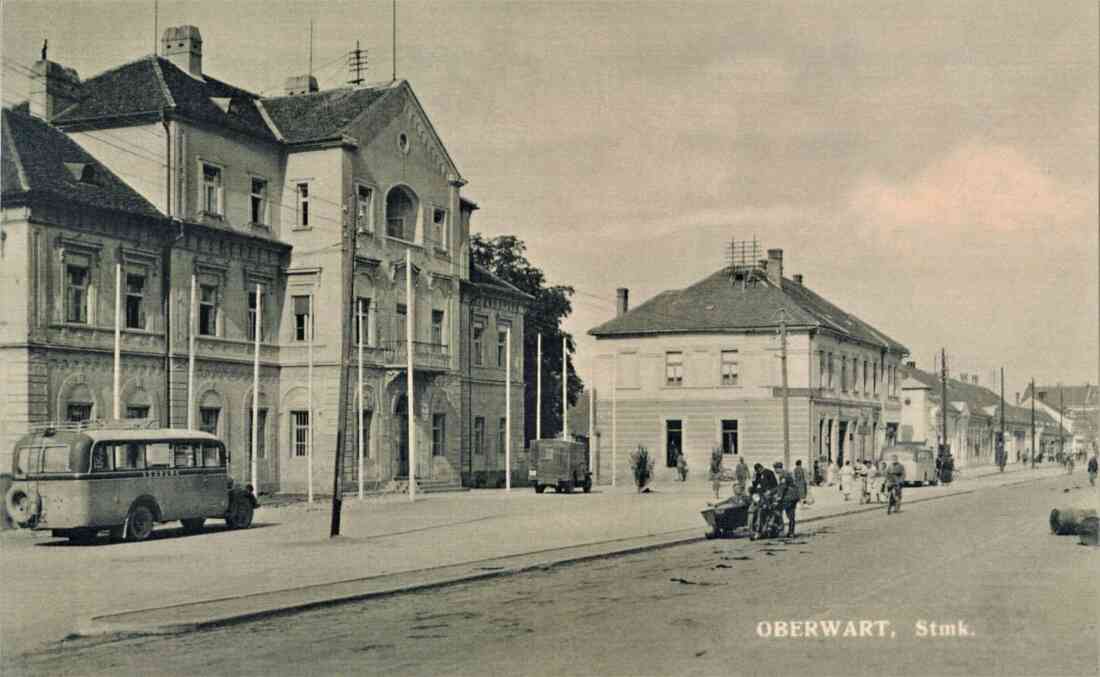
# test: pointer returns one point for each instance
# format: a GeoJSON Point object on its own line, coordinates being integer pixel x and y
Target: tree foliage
{"type": "Point", "coordinates": [506, 257]}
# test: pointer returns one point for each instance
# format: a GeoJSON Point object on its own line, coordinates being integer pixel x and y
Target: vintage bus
{"type": "Point", "coordinates": [76, 480]}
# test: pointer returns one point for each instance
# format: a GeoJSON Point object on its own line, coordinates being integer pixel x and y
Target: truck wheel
{"type": "Point", "coordinates": [140, 523]}
{"type": "Point", "coordinates": [539, 488]}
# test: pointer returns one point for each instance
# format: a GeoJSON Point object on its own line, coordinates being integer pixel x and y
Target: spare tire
{"type": "Point", "coordinates": [23, 504]}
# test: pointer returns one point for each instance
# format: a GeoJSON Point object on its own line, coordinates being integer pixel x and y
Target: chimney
{"type": "Point", "coordinates": [53, 89]}
{"type": "Point", "coordinates": [798, 279]}
{"type": "Point", "coordinates": [301, 84]}
{"type": "Point", "coordinates": [182, 45]}
{"type": "Point", "coordinates": [775, 267]}
{"type": "Point", "coordinates": [622, 295]}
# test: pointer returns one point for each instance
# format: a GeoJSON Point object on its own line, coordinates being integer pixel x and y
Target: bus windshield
{"type": "Point", "coordinates": [30, 460]}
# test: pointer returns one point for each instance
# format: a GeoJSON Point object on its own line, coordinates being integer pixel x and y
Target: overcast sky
{"type": "Point", "coordinates": [931, 167]}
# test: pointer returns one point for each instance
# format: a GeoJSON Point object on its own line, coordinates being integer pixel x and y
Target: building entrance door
{"type": "Point", "coordinates": [401, 417]}
{"type": "Point", "coordinates": [674, 441]}
{"type": "Point", "coordinates": [841, 439]}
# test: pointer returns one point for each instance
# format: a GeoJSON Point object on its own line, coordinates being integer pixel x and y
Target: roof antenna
{"type": "Point", "coordinates": [311, 48]}
{"type": "Point", "coordinates": [394, 41]}
{"type": "Point", "coordinates": [357, 61]}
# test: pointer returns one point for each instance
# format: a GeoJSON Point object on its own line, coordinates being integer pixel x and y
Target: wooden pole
{"type": "Point", "coordinates": [591, 425]}
{"type": "Point", "coordinates": [346, 326]}
{"type": "Point", "coordinates": [538, 394]}
{"type": "Point", "coordinates": [614, 417]}
{"type": "Point", "coordinates": [309, 391]}
{"type": "Point", "coordinates": [786, 405]}
{"type": "Point", "coordinates": [359, 392]}
{"type": "Point", "coordinates": [256, 392]}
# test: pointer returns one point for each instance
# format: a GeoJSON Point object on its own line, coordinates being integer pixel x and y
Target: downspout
{"type": "Point", "coordinates": [166, 266]}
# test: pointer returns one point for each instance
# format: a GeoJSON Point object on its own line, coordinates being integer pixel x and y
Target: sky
{"type": "Point", "coordinates": [931, 167]}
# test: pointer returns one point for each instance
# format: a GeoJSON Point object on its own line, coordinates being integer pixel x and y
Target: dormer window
{"type": "Point", "coordinates": [211, 198]}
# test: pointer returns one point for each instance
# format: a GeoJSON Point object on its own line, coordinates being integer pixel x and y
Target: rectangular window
{"type": "Point", "coordinates": [259, 201]}
{"type": "Point", "coordinates": [302, 324]}
{"type": "Point", "coordinates": [364, 201]}
{"type": "Point", "coordinates": [674, 368]}
{"type": "Point", "coordinates": [208, 310]}
{"type": "Point", "coordinates": [129, 456]}
{"type": "Point", "coordinates": [77, 412]}
{"type": "Point", "coordinates": [439, 434]}
{"type": "Point", "coordinates": [502, 433]}
{"type": "Point", "coordinates": [299, 432]}
{"type": "Point", "coordinates": [302, 191]}
{"type": "Point", "coordinates": [821, 369]}
{"type": "Point", "coordinates": [399, 328]}
{"type": "Point", "coordinates": [830, 380]}
{"type": "Point", "coordinates": [212, 189]}
{"type": "Point", "coordinates": [184, 455]}
{"type": "Point", "coordinates": [252, 317]}
{"type": "Point", "coordinates": [135, 301]}
{"type": "Point", "coordinates": [362, 321]}
{"type": "Point", "coordinates": [874, 378]}
{"type": "Point", "coordinates": [478, 339]}
{"type": "Point", "coordinates": [208, 419]}
{"type": "Point", "coordinates": [137, 412]}
{"type": "Point", "coordinates": [843, 374]}
{"type": "Point", "coordinates": [729, 436]}
{"type": "Point", "coordinates": [76, 293]}
{"type": "Point", "coordinates": [437, 327]}
{"type": "Point", "coordinates": [439, 227]}
{"type": "Point", "coordinates": [502, 344]}
{"type": "Point", "coordinates": [729, 367]}
{"type": "Point", "coordinates": [864, 389]}
{"type": "Point", "coordinates": [479, 435]}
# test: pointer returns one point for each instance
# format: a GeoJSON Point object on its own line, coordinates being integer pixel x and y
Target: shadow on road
{"type": "Point", "coordinates": [159, 534]}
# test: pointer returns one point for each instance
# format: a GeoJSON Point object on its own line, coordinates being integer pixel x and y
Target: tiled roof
{"type": "Point", "coordinates": [321, 115]}
{"type": "Point", "coordinates": [977, 399]}
{"type": "Point", "coordinates": [38, 159]}
{"type": "Point", "coordinates": [718, 304]}
{"type": "Point", "coordinates": [483, 278]}
{"type": "Point", "coordinates": [154, 84]}
{"type": "Point", "coordinates": [1068, 396]}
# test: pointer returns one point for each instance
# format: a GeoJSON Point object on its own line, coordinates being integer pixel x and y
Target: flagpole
{"type": "Point", "coordinates": [256, 391]}
{"type": "Point", "coordinates": [118, 340]}
{"type": "Point", "coordinates": [564, 390]}
{"type": "Point", "coordinates": [359, 399]}
{"type": "Point", "coordinates": [309, 390]}
{"type": "Point", "coordinates": [591, 425]}
{"type": "Point", "coordinates": [409, 310]}
{"type": "Point", "coordinates": [191, 359]}
{"type": "Point", "coordinates": [538, 394]}
{"type": "Point", "coordinates": [508, 410]}
{"type": "Point", "coordinates": [614, 417]}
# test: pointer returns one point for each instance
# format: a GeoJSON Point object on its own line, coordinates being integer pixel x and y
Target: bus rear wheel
{"type": "Point", "coordinates": [240, 513]}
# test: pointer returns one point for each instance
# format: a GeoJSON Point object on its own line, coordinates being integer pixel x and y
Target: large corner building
{"type": "Point", "coordinates": [222, 206]}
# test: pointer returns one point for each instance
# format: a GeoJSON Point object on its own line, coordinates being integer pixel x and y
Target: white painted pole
{"type": "Point", "coordinates": [309, 390]}
{"type": "Point", "coordinates": [538, 395]}
{"type": "Point", "coordinates": [409, 310]}
{"type": "Point", "coordinates": [118, 340]}
{"type": "Point", "coordinates": [359, 399]}
{"type": "Point", "coordinates": [508, 410]}
{"type": "Point", "coordinates": [256, 392]}
{"type": "Point", "coordinates": [191, 357]}
{"type": "Point", "coordinates": [591, 425]}
{"type": "Point", "coordinates": [614, 418]}
{"type": "Point", "coordinates": [564, 391]}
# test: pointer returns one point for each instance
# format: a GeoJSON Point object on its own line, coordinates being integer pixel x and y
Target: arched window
{"type": "Point", "coordinates": [402, 207]}
{"type": "Point", "coordinates": [79, 404]}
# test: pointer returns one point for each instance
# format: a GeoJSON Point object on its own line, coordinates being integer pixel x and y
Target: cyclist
{"type": "Point", "coordinates": [895, 478]}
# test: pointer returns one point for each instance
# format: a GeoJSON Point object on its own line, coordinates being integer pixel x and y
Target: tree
{"type": "Point", "coordinates": [506, 257]}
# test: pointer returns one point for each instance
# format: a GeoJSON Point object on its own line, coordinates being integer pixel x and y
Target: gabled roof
{"type": "Point", "coordinates": [321, 115]}
{"type": "Point", "coordinates": [152, 85]}
{"type": "Point", "coordinates": [38, 159]}
{"type": "Point", "coordinates": [1071, 397]}
{"type": "Point", "coordinates": [977, 400]}
{"type": "Point", "coordinates": [717, 304]}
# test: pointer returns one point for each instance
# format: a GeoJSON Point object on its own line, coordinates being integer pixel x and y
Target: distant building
{"type": "Point", "coordinates": [699, 368]}
{"type": "Point", "coordinates": [1078, 407]}
{"type": "Point", "coordinates": [973, 419]}
{"type": "Point", "coordinates": [183, 177]}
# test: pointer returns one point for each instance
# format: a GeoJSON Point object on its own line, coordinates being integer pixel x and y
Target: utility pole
{"type": "Point", "coordinates": [1033, 424]}
{"type": "Point", "coordinates": [1004, 442]}
{"type": "Point", "coordinates": [357, 63]}
{"type": "Point", "coordinates": [347, 326]}
{"type": "Point", "coordinates": [786, 398]}
{"type": "Point", "coordinates": [564, 389]}
{"type": "Point", "coordinates": [538, 393]}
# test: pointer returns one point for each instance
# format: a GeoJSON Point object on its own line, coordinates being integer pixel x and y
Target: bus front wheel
{"type": "Point", "coordinates": [240, 513]}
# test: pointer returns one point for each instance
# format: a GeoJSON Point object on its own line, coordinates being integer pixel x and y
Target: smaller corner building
{"type": "Point", "coordinates": [224, 208]}
{"type": "Point", "coordinates": [698, 368]}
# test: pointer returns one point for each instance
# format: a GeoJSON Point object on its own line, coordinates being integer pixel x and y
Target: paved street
{"type": "Point", "coordinates": [984, 563]}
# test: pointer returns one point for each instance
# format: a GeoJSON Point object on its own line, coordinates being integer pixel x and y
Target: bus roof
{"type": "Point", "coordinates": [107, 434]}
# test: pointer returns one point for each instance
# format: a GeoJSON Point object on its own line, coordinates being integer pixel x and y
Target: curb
{"type": "Point", "coordinates": [115, 624]}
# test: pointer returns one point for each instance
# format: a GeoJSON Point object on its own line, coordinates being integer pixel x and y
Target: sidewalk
{"type": "Point", "coordinates": [52, 589]}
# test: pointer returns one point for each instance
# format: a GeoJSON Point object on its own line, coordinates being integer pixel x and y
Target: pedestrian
{"type": "Point", "coordinates": [847, 477]}
{"type": "Point", "coordinates": [875, 480]}
{"type": "Point", "coordinates": [716, 469]}
{"type": "Point", "coordinates": [1069, 464]}
{"type": "Point", "coordinates": [788, 495]}
{"type": "Point", "coordinates": [740, 476]}
{"type": "Point", "coordinates": [681, 466]}
{"type": "Point", "coordinates": [800, 482]}
{"type": "Point", "coordinates": [1092, 470]}
{"type": "Point", "coordinates": [830, 473]}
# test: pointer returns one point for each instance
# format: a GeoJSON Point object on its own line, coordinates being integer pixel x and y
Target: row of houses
{"type": "Point", "coordinates": [700, 368]}
{"type": "Point", "coordinates": [198, 211]}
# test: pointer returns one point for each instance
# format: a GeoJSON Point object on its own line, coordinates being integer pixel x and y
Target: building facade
{"type": "Point", "coordinates": [247, 206]}
{"type": "Point", "coordinates": [1076, 406]}
{"type": "Point", "coordinates": [699, 368]}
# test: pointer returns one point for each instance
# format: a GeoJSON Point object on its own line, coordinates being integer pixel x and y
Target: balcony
{"type": "Point", "coordinates": [426, 356]}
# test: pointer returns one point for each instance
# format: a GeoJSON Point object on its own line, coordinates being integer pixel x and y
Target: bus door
{"type": "Point", "coordinates": [213, 497]}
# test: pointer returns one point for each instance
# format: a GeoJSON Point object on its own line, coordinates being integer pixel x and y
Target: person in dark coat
{"type": "Point", "coordinates": [788, 495]}
{"type": "Point", "coordinates": [800, 481]}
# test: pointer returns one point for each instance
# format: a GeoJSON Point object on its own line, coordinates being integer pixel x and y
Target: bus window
{"type": "Point", "coordinates": [27, 460]}
{"type": "Point", "coordinates": [129, 456]}
{"type": "Point", "coordinates": [213, 455]}
{"type": "Point", "coordinates": [183, 455]}
{"type": "Point", "coordinates": [55, 459]}
{"type": "Point", "coordinates": [101, 459]}
{"type": "Point", "coordinates": [158, 455]}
